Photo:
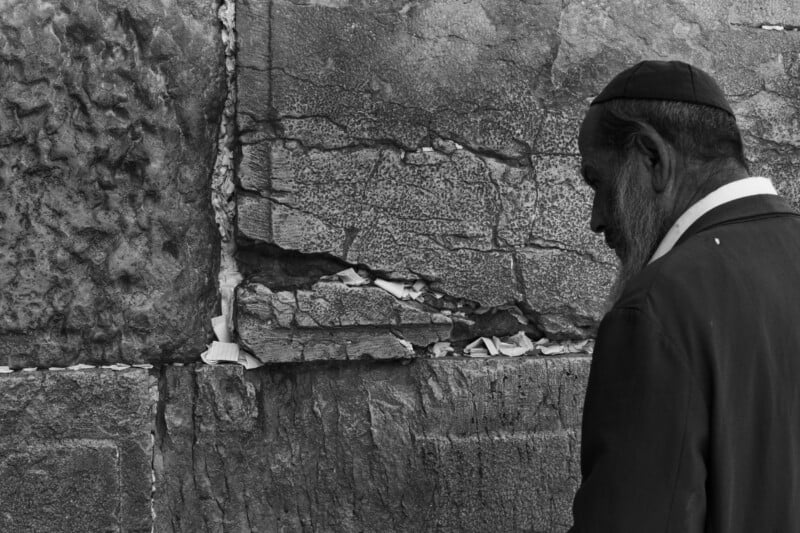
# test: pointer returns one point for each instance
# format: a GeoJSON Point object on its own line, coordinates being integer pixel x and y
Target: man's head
{"type": "Point", "coordinates": [657, 139]}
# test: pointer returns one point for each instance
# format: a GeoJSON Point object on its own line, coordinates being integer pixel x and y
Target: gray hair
{"type": "Point", "coordinates": [700, 133]}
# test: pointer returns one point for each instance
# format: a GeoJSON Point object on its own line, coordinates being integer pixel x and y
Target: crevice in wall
{"type": "Point", "coordinates": [289, 271]}
{"type": "Point", "coordinates": [117, 367]}
{"type": "Point", "coordinates": [153, 481]}
{"type": "Point", "coordinates": [158, 435]}
{"type": "Point", "coordinates": [281, 269]}
{"type": "Point", "coordinates": [262, 263]}
{"type": "Point", "coordinates": [447, 144]}
{"type": "Point", "coordinates": [223, 180]}
{"type": "Point", "coordinates": [769, 26]}
{"type": "Point", "coordinates": [521, 159]}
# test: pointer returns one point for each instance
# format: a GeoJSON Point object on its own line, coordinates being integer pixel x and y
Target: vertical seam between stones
{"type": "Point", "coordinates": [223, 189]}
{"type": "Point", "coordinates": [157, 436]}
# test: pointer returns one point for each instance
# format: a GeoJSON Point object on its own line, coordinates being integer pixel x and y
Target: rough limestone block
{"type": "Point", "coordinates": [504, 466]}
{"type": "Point", "coordinates": [562, 189]}
{"type": "Point", "coordinates": [108, 119]}
{"type": "Point", "coordinates": [336, 96]}
{"type": "Point", "coordinates": [570, 289]}
{"type": "Point", "coordinates": [467, 445]}
{"type": "Point", "coordinates": [76, 450]}
{"type": "Point", "coordinates": [452, 219]}
{"type": "Point", "coordinates": [333, 321]}
{"type": "Point", "coordinates": [400, 72]}
{"type": "Point", "coordinates": [348, 93]}
{"type": "Point", "coordinates": [757, 13]}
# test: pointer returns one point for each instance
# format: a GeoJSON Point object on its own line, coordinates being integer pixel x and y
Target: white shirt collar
{"type": "Point", "coordinates": [727, 193]}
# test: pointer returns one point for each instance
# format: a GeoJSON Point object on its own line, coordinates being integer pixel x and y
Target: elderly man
{"type": "Point", "coordinates": [692, 413]}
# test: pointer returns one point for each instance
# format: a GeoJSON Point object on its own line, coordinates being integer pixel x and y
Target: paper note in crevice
{"type": "Point", "coordinates": [481, 347]}
{"type": "Point", "coordinates": [440, 349]}
{"type": "Point", "coordinates": [407, 345]}
{"type": "Point", "coordinates": [221, 352]}
{"type": "Point", "coordinates": [396, 288]}
{"type": "Point", "coordinates": [351, 278]}
{"type": "Point", "coordinates": [515, 346]}
{"type": "Point", "coordinates": [565, 347]}
{"type": "Point", "coordinates": [81, 366]}
{"type": "Point", "coordinates": [220, 326]}
{"type": "Point", "coordinates": [116, 366]}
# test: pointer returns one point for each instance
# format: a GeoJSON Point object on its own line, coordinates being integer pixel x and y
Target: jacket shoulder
{"type": "Point", "coordinates": [674, 276]}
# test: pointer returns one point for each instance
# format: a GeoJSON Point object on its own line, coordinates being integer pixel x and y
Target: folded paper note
{"type": "Point", "coordinates": [351, 278]}
{"type": "Point", "coordinates": [221, 351]}
{"type": "Point", "coordinates": [479, 346]}
{"type": "Point", "coordinates": [440, 349]}
{"type": "Point", "coordinates": [515, 345]}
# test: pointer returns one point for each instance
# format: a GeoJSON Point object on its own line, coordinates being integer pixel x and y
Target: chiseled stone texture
{"type": "Point", "coordinates": [108, 120]}
{"type": "Point", "coordinates": [335, 111]}
{"type": "Point", "coordinates": [339, 98]}
{"type": "Point", "coordinates": [76, 450]}
{"type": "Point", "coordinates": [333, 321]}
{"type": "Point", "coordinates": [432, 445]}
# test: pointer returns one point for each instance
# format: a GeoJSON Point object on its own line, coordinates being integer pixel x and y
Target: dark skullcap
{"type": "Point", "coordinates": [665, 80]}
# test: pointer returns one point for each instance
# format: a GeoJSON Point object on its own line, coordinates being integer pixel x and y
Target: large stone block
{"type": "Point", "coordinates": [774, 12]}
{"type": "Point", "coordinates": [351, 93]}
{"type": "Point", "coordinates": [334, 321]}
{"type": "Point", "coordinates": [456, 445]}
{"type": "Point", "coordinates": [542, 466]}
{"type": "Point", "coordinates": [568, 289]}
{"type": "Point", "coordinates": [338, 99]}
{"type": "Point", "coordinates": [401, 72]}
{"type": "Point", "coordinates": [108, 120]}
{"type": "Point", "coordinates": [448, 218]}
{"type": "Point", "coordinates": [76, 450]}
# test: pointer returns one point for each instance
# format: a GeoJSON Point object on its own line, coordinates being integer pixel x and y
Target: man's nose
{"type": "Point", "coordinates": [598, 220]}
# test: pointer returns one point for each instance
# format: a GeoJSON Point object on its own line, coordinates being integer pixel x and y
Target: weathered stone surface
{"type": "Point", "coordinates": [76, 450]}
{"type": "Point", "coordinates": [410, 214]}
{"type": "Point", "coordinates": [343, 177]}
{"type": "Point", "coordinates": [334, 321]}
{"type": "Point", "coordinates": [568, 289]}
{"type": "Point", "coordinates": [108, 118]}
{"type": "Point", "coordinates": [335, 105]}
{"type": "Point", "coordinates": [757, 13]}
{"type": "Point", "coordinates": [455, 445]}
{"type": "Point", "coordinates": [391, 70]}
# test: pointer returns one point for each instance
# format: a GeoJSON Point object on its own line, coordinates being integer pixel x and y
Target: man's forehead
{"type": "Point", "coordinates": [588, 131]}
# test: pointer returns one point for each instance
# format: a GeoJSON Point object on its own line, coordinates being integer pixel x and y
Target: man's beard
{"type": "Point", "coordinates": [639, 225]}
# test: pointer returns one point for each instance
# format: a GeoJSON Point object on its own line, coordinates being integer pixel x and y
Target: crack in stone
{"type": "Point", "coordinates": [768, 26]}
{"type": "Point", "coordinates": [158, 435]}
{"type": "Point", "coordinates": [431, 142]}
{"type": "Point", "coordinates": [550, 244]}
{"type": "Point", "coordinates": [290, 270]}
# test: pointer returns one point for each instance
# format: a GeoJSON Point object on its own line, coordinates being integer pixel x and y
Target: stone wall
{"type": "Point", "coordinates": [154, 154]}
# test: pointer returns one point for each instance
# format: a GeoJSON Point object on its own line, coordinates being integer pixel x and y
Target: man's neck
{"type": "Point", "coordinates": [697, 181]}
{"type": "Point", "coordinates": [729, 192]}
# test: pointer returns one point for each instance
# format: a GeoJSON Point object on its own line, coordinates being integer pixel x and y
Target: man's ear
{"type": "Point", "coordinates": [657, 154]}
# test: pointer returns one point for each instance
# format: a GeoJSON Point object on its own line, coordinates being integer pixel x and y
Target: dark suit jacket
{"type": "Point", "coordinates": [691, 421]}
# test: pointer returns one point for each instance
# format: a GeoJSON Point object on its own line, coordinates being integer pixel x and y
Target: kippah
{"type": "Point", "coordinates": [665, 80]}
